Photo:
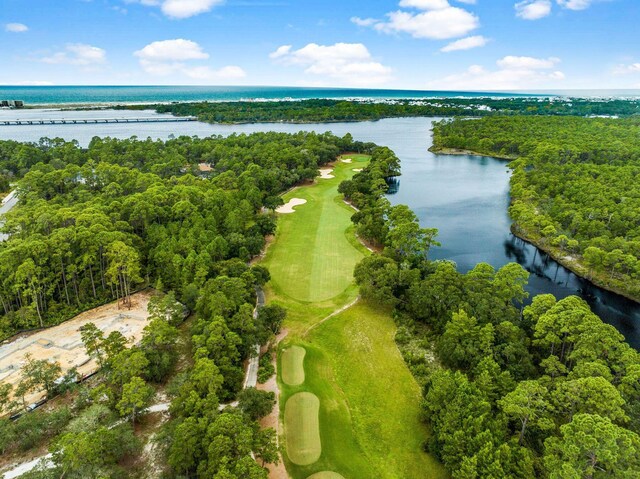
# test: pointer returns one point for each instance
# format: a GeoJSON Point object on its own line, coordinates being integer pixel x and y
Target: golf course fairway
{"type": "Point", "coordinates": [348, 404]}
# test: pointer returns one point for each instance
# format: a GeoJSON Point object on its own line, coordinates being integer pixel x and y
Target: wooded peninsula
{"type": "Point", "coordinates": [326, 110]}
{"type": "Point", "coordinates": [574, 189]}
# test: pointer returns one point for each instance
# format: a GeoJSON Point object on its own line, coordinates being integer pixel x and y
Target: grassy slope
{"type": "Point", "coordinates": [369, 401]}
{"type": "Point", "coordinates": [385, 398]}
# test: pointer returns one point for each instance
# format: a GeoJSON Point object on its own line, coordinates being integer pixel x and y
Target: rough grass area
{"type": "Point", "coordinates": [292, 364]}
{"type": "Point", "coordinates": [372, 376]}
{"type": "Point", "coordinates": [302, 429]}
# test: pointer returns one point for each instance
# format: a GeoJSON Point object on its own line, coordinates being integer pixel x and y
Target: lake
{"type": "Point", "coordinates": [465, 197]}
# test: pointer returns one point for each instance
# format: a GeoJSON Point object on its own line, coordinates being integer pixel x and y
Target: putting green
{"type": "Point", "coordinates": [326, 475]}
{"type": "Point", "coordinates": [302, 428]}
{"type": "Point", "coordinates": [292, 365]}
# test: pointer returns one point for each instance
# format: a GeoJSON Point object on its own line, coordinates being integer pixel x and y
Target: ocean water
{"type": "Point", "coordinates": [46, 95]}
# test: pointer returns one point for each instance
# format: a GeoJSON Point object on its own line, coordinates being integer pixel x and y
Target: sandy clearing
{"type": "Point", "coordinates": [288, 207]}
{"type": "Point", "coordinates": [62, 343]}
{"type": "Point", "coordinates": [302, 428]}
{"type": "Point", "coordinates": [326, 173]}
{"type": "Point", "coordinates": [357, 170]}
{"type": "Point", "coordinates": [346, 160]}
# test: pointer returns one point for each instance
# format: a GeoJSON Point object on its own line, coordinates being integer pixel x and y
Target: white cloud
{"type": "Point", "coordinates": [533, 9]}
{"type": "Point", "coordinates": [536, 9]}
{"type": "Point", "coordinates": [425, 4]}
{"type": "Point", "coordinates": [513, 73]}
{"type": "Point", "coordinates": [529, 63]}
{"type": "Point", "coordinates": [349, 63]}
{"type": "Point", "coordinates": [169, 57]}
{"type": "Point", "coordinates": [16, 27]}
{"type": "Point", "coordinates": [465, 44]}
{"type": "Point", "coordinates": [364, 22]}
{"type": "Point", "coordinates": [173, 50]}
{"type": "Point", "coordinates": [280, 51]}
{"type": "Point", "coordinates": [623, 69]}
{"type": "Point", "coordinates": [438, 20]}
{"type": "Point", "coordinates": [78, 54]}
{"type": "Point", "coordinates": [179, 9]}
{"type": "Point", "coordinates": [575, 4]}
{"type": "Point", "coordinates": [441, 24]}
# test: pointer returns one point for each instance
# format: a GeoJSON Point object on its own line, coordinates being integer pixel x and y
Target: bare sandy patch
{"type": "Point", "coordinates": [346, 160]}
{"type": "Point", "coordinates": [326, 173]}
{"type": "Point", "coordinates": [63, 344]}
{"type": "Point", "coordinates": [288, 207]}
{"type": "Point", "coordinates": [357, 170]}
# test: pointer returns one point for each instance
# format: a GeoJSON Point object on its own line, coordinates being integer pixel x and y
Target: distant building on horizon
{"type": "Point", "coordinates": [11, 104]}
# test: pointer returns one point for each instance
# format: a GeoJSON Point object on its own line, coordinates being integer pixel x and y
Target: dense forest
{"type": "Point", "coordinates": [546, 390]}
{"type": "Point", "coordinates": [93, 225]}
{"type": "Point", "coordinates": [575, 187]}
{"type": "Point", "coordinates": [319, 110]}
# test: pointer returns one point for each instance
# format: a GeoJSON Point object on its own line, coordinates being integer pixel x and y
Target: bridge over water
{"type": "Point", "coordinates": [87, 121]}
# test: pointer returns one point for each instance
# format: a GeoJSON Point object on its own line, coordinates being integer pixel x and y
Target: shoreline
{"type": "Point", "coordinates": [457, 151]}
{"type": "Point", "coordinates": [576, 267]}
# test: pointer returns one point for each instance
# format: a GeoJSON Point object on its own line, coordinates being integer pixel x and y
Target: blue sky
{"type": "Point", "coordinates": [417, 44]}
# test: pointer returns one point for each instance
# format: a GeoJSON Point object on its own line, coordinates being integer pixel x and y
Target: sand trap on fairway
{"type": "Point", "coordinates": [292, 363]}
{"type": "Point", "coordinates": [288, 207]}
{"type": "Point", "coordinates": [346, 160]}
{"type": "Point", "coordinates": [302, 428]}
{"type": "Point", "coordinates": [326, 475]}
{"type": "Point", "coordinates": [326, 173]}
{"type": "Point", "coordinates": [357, 170]}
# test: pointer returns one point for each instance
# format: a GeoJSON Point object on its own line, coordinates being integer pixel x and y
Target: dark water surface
{"type": "Point", "coordinates": [465, 197]}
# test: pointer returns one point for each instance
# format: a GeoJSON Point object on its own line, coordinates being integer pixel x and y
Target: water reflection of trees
{"type": "Point", "coordinates": [514, 250]}
{"type": "Point", "coordinates": [394, 185]}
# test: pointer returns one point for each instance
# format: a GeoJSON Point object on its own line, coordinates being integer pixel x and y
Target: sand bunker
{"type": "Point", "coordinates": [346, 160]}
{"type": "Point", "coordinates": [326, 173]}
{"type": "Point", "coordinates": [357, 170]}
{"type": "Point", "coordinates": [62, 343]}
{"type": "Point", "coordinates": [292, 364]}
{"type": "Point", "coordinates": [302, 428]}
{"type": "Point", "coordinates": [288, 207]}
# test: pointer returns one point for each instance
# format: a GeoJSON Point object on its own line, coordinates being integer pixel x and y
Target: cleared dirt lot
{"type": "Point", "coordinates": [62, 343]}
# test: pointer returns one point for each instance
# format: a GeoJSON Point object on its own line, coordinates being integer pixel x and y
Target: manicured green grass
{"type": "Point", "coordinates": [292, 364]}
{"type": "Point", "coordinates": [368, 400]}
{"type": "Point", "coordinates": [313, 260]}
{"type": "Point", "coordinates": [325, 475]}
{"type": "Point", "coordinates": [302, 429]}
{"type": "Point", "coordinates": [385, 398]}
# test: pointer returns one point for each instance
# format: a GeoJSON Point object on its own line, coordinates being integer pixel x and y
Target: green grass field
{"type": "Point", "coordinates": [313, 260]}
{"type": "Point", "coordinates": [326, 475]}
{"type": "Point", "coordinates": [292, 365]}
{"type": "Point", "coordinates": [368, 400]}
{"type": "Point", "coordinates": [302, 428]}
